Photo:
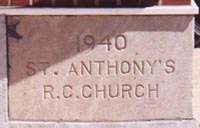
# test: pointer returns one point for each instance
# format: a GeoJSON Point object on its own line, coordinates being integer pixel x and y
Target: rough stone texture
{"type": "Point", "coordinates": [45, 68]}
{"type": "Point", "coordinates": [3, 71]}
{"type": "Point", "coordinates": [143, 124]}
{"type": "Point", "coordinates": [196, 89]}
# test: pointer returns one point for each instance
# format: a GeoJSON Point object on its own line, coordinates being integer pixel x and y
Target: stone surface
{"type": "Point", "coordinates": [155, 10]}
{"type": "Point", "coordinates": [196, 89]}
{"type": "Point", "coordinates": [3, 71]}
{"type": "Point", "coordinates": [143, 124]}
{"type": "Point", "coordinates": [61, 69]}
{"type": "Point", "coordinates": [100, 68]}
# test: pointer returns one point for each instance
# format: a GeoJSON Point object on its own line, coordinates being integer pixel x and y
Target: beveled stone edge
{"type": "Point", "coordinates": [154, 10]}
{"type": "Point", "coordinates": [139, 124]}
{"type": "Point", "coordinates": [3, 71]}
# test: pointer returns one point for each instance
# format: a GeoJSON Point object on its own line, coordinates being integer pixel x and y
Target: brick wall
{"type": "Point", "coordinates": [92, 2]}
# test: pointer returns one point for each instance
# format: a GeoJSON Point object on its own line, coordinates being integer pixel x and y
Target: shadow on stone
{"type": "Point", "coordinates": [54, 39]}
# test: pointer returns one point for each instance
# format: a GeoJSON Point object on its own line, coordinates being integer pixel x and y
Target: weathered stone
{"type": "Point", "coordinates": [59, 66]}
{"type": "Point", "coordinates": [196, 89]}
{"type": "Point", "coordinates": [3, 71]}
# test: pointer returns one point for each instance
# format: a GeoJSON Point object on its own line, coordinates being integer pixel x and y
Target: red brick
{"type": "Point", "coordinates": [110, 3]}
{"type": "Point", "coordinates": [139, 3]}
{"type": "Point", "coordinates": [42, 3]}
{"type": "Point", "coordinates": [86, 3]}
{"type": "Point", "coordinates": [149, 2]}
{"type": "Point", "coordinates": [64, 2]}
{"type": "Point", "coordinates": [176, 2]}
{"type": "Point", "coordinates": [130, 2]}
{"type": "Point", "coordinates": [3, 2]}
{"type": "Point", "coordinates": [107, 3]}
{"type": "Point", "coordinates": [20, 2]}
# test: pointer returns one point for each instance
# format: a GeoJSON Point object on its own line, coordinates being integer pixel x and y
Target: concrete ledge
{"type": "Point", "coordinates": [144, 124]}
{"type": "Point", "coordinates": [154, 10]}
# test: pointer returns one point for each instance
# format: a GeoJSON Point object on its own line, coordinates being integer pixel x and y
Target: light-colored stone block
{"type": "Point", "coordinates": [196, 89]}
{"type": "Point", "coordinates": [68, 68]}
{"type": "Point", "coordinates": [3, 71]}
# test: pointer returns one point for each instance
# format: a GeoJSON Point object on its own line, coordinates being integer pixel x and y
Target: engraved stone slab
{"type": "Point", "coordinates": [100, 68]}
